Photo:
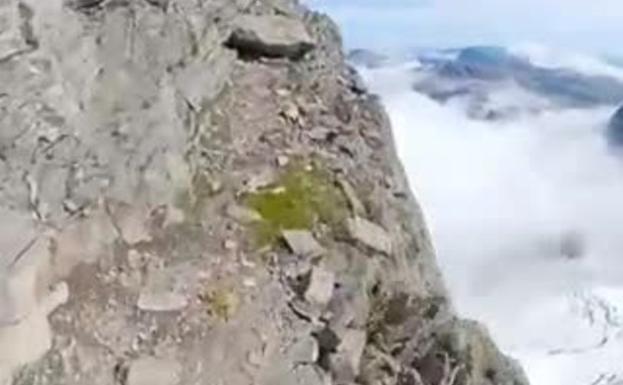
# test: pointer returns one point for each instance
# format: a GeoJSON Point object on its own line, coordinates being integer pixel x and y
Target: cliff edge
{"type": "Point", "coordinates": [203, 192]}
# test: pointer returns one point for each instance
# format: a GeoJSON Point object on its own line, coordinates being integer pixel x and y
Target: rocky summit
{"type": "Point", "coordinates": [202, 192]}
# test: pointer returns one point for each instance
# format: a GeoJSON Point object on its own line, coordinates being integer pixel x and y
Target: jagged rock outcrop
{"type": "Point", "coordinates": [186, 198]}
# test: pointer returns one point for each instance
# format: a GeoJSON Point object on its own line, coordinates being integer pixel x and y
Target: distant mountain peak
{"type": "Point", "coordinates": [367, 58]}
{"type": "Point", "coordinates": [615, 128]}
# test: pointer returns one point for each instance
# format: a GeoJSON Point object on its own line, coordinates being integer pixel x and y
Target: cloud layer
{"type": "Point", "coordinates": [500, 197]}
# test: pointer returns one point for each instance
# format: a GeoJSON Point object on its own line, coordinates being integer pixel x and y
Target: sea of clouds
{"type": "Point", "coordinates": [501, 198]}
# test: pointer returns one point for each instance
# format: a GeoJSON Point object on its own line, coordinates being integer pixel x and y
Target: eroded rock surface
{"type": "Point", "coordinates": [198, 192]}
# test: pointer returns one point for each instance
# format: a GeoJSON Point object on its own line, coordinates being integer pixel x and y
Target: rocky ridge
{"type": "Point", "coordinates": [202, 192]}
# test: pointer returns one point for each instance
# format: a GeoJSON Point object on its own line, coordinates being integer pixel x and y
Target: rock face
{"type": "Point", "coordinates": [148, 234]}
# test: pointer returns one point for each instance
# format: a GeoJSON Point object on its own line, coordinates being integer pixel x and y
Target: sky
{"type": "Point", "coordinates": [590, 26]}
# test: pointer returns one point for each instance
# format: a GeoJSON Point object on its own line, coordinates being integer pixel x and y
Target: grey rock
{"type": "Point", "coordinates": [472, 343]}
{"type": "Point", "coordinates": [259, 180]}
{"type": "Point", "coordinates": [131, 224]}
{"type": "Point", "coordinates": [328, 339]}
{"type": "Point", "coordinates": [200, 86]}
{"type": "Point", "coordinates": [369, 234]}
{"type": "Point", "coordinates": [355, 82]}
{"type": "Point", "coordinates": [346, 362]}
{"type": "Point", "coordinates": [309, 375]}
{"type": "Point", "coordinates": [242, 214]}
{"type": "Point", "coordinates": [85, 4]}
{"type": "Point", "coordinates": [302, 243]}
{"type": "Point", "coordinates": [282, 161]}
{"type": "Point", "coordinates": [159, 3]}
{"type": "Point", "coordinates": [305, 310]}
{"type": "Point", "coordinates": [349, 307]}
{"type": "Point", "coordinates": [304, 351]}
{"type": "Point", "coordinates": [320, 289]}
{"type": "Point", "coordinates": [320, 133]}
{"type": "Point", "coordinates": [154, 371]}
{"type": "Point", "coordinates": [270, 36]}
{"type": "Point", "coordinates": [355, 204]}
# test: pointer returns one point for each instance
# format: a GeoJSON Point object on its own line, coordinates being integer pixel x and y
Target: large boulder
{"type": "Point", "coordinates": [270, 36]}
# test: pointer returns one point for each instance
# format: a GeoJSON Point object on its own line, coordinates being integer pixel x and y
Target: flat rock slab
{"type": "Point", "coordinates": [370, 235]}
{"type": "Point", "coordinates": [272, 36]}
{"type": "Point", "coordinates": [302, 243]}
{"type": "Point", "coordinates": [304, 350]}
{"type": "Point", "coordinates": [353, 201]}
{"type": "Point", "coordinates": [346, 361]}
{"type": "Point", "coordinates": [320, 289]}
{"type": "Point", "coordinates": [154, 371]}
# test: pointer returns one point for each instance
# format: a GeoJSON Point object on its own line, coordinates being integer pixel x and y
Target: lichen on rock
{"type": "Point", "coordinates": [299, 200]}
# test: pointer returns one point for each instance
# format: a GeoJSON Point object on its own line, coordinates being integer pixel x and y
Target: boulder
{"type": "Point", "coordinates": [353, 201]}
{"type": "Point", "coordinates": [302, 243]}
{"type": "Point", "coordinates": [346, 361]}
{"type": "Point", "coordinates": [369, 234]}
{"type": "Point", "coordinates": [304, 351]}
{"type": "Point", "coordinates": [85, 4]}
{"type": "Point", "coordinates": [274, 36]}
{"type": "Point", "coordinates": [320, 289]}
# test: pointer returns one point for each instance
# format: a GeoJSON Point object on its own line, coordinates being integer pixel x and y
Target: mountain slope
{"type": "Point", "coordinates": [200, 192]}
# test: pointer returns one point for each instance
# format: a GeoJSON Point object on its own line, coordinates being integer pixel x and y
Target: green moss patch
{"type": "Point", "coordinates": [299, 200]}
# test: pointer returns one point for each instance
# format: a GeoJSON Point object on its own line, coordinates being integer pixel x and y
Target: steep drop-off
{"type": "Point", "coordinates": [202, 192]}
